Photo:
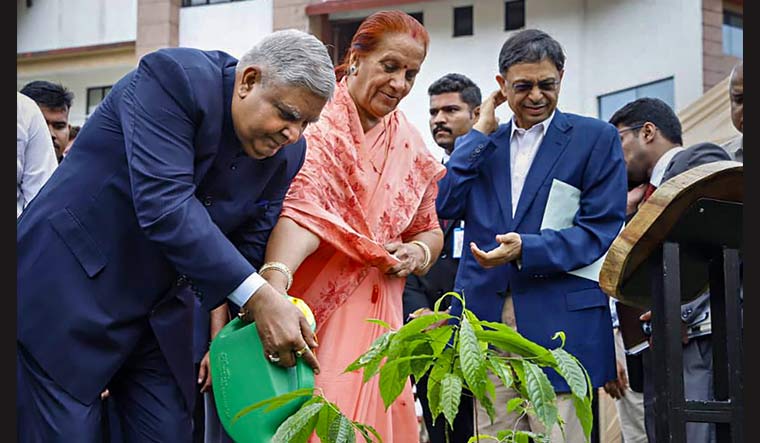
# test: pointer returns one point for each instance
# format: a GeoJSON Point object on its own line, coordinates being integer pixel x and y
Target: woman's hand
{"type": "Point", "coordinates": [204, 374]}
{"type": "Point", "coordinates": [410, 256]}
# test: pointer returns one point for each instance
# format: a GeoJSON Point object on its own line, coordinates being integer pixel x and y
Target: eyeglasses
{"type": "Point", "coordinates": [631, 128]}
{"type": "Point", "coordinates": [523, 87]}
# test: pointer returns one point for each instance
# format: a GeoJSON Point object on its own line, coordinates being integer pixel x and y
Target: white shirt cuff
{"type": "Point", "coordinates": [242, 293]}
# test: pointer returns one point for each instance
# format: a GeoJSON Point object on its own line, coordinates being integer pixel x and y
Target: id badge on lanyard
{"type": "Point", "coordinates": [458, 243]}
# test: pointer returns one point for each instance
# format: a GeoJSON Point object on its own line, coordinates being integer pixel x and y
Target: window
{"type": "Point", "coordinates": [514, 14]}
{"type": "Point", "coordinates": [610, 103]}
{"type": "Point", "coordinates": [463, 21]}
{"type": "Point", "coordinates": [343, 31]}
{"type": "Point", "coordinates": [733, 33]}
{"type": "Point", "coordinates": [205, 2]}
{"type": "Point", "coordinates": [95, 96]}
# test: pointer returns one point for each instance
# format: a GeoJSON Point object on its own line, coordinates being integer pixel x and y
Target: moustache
{"type": "Point", "coordinates": [438, 129]}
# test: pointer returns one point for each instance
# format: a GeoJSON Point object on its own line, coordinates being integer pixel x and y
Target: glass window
{"type": "Point", "coordinates": [610, 103]}
{"type": "Point", "coordinates": [463, 21]}
{"type": "Point", "coordinates": [733, 34]}
{"type": "Point", "coordinates": [514, 14]}
{"type": "Point", "coordinates": [95, 96]}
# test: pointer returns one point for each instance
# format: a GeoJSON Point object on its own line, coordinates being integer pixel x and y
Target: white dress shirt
{"type": "Point", "coordinates": [659, 168]}
{"type": "Point", "coordinates": [35, 154]}
{"type": "Point", "coordinates": [523, 145]}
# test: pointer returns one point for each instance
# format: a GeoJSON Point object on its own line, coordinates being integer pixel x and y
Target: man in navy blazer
{"type": "Point", "coordinates": [540, 273]}
{"type": "Point", "coordinates": [178, 177]}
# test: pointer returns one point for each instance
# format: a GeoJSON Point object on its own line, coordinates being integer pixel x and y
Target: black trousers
{"type": "Point", "coordinates": [463, 423]}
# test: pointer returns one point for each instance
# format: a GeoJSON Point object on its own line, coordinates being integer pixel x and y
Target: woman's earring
{"type": "Point", "coordinates": [352, 70]}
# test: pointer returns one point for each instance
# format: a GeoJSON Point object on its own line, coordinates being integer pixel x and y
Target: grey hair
{"type": "Point", "coordinates": [530, 46]}
{"type": "Point", "coordinates": [293, 57]}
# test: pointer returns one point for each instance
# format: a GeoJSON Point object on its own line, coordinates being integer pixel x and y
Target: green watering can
{"type": "Point", "coordinates": [241, 375]}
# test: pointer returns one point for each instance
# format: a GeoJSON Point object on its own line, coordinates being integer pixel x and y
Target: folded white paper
{"type": "Point", "coordinates": [561, 207]}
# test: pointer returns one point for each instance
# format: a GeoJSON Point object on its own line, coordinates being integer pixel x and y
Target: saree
{"type": "Point", "coordinates": [358, 192]}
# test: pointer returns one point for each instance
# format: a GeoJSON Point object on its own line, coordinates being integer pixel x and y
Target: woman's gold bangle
{"type": "Point", "coordinates": [426, 251]}
{"type": "Point", "coordinates": [281, 267]}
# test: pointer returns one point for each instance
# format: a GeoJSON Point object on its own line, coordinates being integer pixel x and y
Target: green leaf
{"type": "Point", "coordinates": [341, 431]}
{"type": "Point", "coordinates": [420, 367]}
{"type": "Point", "coordinates": [561, 336]}
{"type": "Point", "coordinates": [502, 370]}
{"type": "Point", "coordinates": [481, 437]}
{"type": "Point", "coordinates": [515, 403]}
{"type": "Point", "coordinates": [366, 430]}
{"type": "Point", "coordinates": [472, 359]}
{"type": "Point", "coordinates": [507, 339]}
{"type": "Point", "coordinates": [437, 305]}
{"type": "Point", "coordinates": [392, 381]}
{"type": "Point", "coordinates": [439, 338]}
{"type": "Point", "coordinates": [520, 385]}
{"type": "Point", "coordinates": [326, 416]}
{"type": "Point", "coordinates": [274, 402]}
{"type": "Point", "coordinates": [441, 367]}
{"type": "Point", "coordinates": [570, 369]}
{"type": "Point", "coordinates": [541, 394]}
{"type": "Point", "coordinates": [374, 354]}
{"type": "Point", "coordinates": [297, 423]}
{"type": "Point", "coordinates": [487, 404]}
{"type": "Point", "coordinates": [377, 321]}
{"type": "Point", "coordinates": [451, 394]}
{"type": "Point", "coordinates": [585, 416]}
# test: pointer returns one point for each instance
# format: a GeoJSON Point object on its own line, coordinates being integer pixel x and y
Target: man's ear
{"type": "Point", "coordinates": [502, 84]}
{"type": "Point", "coordinates": [648, 131]}
{"type": "Point", "coordinates": [249, 79]}
{"type": "Point", "coordinates": [476, 114]}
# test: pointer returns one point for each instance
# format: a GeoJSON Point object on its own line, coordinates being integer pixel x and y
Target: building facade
{"type": "Point", "coordinates": [617, 50]}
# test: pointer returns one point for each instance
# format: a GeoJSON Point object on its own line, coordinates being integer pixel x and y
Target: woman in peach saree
{"type": "Point", "coordinates": [360, 217]}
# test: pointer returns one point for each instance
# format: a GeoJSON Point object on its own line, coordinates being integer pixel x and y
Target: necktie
{"type": "Point", "coordinates": [649, 191]}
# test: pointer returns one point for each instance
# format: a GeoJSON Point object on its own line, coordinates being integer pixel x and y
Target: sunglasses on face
{"type": "Point", "coordinates": [522, 87]}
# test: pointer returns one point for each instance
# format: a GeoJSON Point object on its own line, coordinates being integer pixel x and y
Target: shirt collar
{"type": "Point", "coordinates": [544, 125]}
{"type": "Point", "coordinates": [662, 163]}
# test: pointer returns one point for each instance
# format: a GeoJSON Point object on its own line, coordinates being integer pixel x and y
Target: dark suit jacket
{"type": "Point", "coordinates": [582, 152]}
{"type": "Point", "coordinates": [699, 154]}
{"type": "Point", "coordinates": [422, 292]}
{"type": "Point", "coordinates": [157, 186]}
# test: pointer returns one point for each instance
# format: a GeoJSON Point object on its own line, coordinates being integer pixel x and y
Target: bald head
{"type": "Point", "coordinates": [736, 94]}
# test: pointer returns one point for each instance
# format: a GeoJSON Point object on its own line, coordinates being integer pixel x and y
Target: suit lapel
{"type": "Point", "coordinates": [554, 143]}
{"type": "Point", "coordinates": [500, 166]}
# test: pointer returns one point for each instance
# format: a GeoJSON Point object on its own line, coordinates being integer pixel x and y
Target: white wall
{"type": "Point", "coordinates": [56, 24]}
{"type": "Point", "coordinates": [78, 82]}
{"type": "Point", "coordinates": [609, 45]}
{"type": "Point", "coordinates": [230, 27]}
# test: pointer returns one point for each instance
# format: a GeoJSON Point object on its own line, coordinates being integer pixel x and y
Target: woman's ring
{"type": "Point", "coordinates": [274, 358]}
{"type": "Point", "coordinates": [301, 352]}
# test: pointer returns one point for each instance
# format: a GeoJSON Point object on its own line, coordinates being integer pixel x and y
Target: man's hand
{"type": "Point", "coordinates": [421, 312]}
{"type": "Point", "coordinates": [282, 327]}
{"type": "Point", "coordinates": [647, 316]}
{"type": "Point", "coordinates": [409, 255]}
{"type": "Point", "coordinates": [510, 248]}
{"type": "Point", "coordinates": [204, 374]}
{"type": "Point", "coordinates": [635, 196]}
{"type": "Point", "coordinates": [616, 388]}
{"type": "Point", "coordinates": [488, 122]}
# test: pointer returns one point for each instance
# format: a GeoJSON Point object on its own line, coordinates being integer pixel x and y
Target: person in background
{"type": "Point", "coordinates": [360, 217]}
{"type": "Point", "coordinates": [651, 137]}
{"type": "Point", "coordinates": [35, 155]}
{"type": "Point", "coordinates": [55, 102]}
{"type": "Point", "coordinates": [72, 135]}
{"type": "Point", "coordinates": [454, 108]}
{"type": "Point", "coordinates": [516, 270]}
{"type": "Point", "coordinates": [736, 98]}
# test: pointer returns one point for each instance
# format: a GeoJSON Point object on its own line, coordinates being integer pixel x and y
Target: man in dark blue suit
{"type": "Point", "coordinates": [176, 182]}
{"type": "Point", "coordinates": [545, 195]}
